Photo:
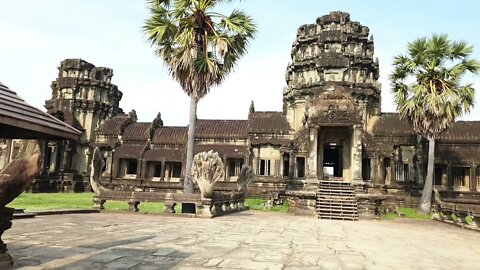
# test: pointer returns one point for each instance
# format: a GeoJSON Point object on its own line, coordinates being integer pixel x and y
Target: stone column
{"type": "Point", "coordinates": [356, 164]}
{"type": "Point", "coordinates": [139, 168]}
{"type": "Point", "coordinates": [390, 178]}
{"type": "Point", "coordinates": [381, 170]}
{"type": "Point", "coordinates": [312, 157]}
{"type": "Point", "coordinates": [444, 178]}
{"type": "Point", "coordinates": [225, 175]}
{"type": "Point", "coordinates": [291, 164]}
{"type": "Point", "coordinates": [449, 176]}
{"type": "Point", "coordinates": [162, 171]}
{"type": "Point", "coordinates": [115, 165]}
{"type": "Point", "coordinates": [374, 168]}
{"type": "Point", "coordinates": [473, 177]}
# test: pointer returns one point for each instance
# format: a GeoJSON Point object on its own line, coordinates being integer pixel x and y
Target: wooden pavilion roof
{"type": "Point", "coordinates": [20, 120]}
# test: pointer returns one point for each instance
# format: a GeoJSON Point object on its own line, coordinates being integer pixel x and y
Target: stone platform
{"type": "Point", "coordinates": [245, 240]}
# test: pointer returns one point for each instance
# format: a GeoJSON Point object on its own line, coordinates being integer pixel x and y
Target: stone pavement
{"type": "Point", "coordinates": [246, 240]}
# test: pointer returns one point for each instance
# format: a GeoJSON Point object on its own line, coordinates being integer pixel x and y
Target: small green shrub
{"type": "Point", "coordinates": [470, 220]}
{"type": "Point", "coordinates": [407, 213]}
{"type": "Point", "coordinates": [259, 205]}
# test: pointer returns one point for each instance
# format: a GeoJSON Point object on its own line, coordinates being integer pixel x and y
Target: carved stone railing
{"type": "Point", "coordinates": [462, 212]}
{"type": "Point", "coordinates": [207, 170]}
{"type": "Point", "coordinates": [220, 203]}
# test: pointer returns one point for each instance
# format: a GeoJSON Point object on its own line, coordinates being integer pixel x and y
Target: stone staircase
{"type": "Point", "coordinates": [336, 200]}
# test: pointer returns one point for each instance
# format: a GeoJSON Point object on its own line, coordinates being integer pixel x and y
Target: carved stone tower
{"type": "Point", "coordinates": [333, 51]}
{"type": "Point", "coordinates": [84, 97]}
{"type": "Point", "coordinates": [331, 95]}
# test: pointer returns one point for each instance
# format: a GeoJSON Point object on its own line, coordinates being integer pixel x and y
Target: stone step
{"type": "Point", "coordinates": [342, 191]}
{"type": "Point", "coordinates": [340, 218]}
{"type": "Point", "coordinates": [336, 199]}
{"type": "Point", "coordinates": [337, 205]}
{"type": "Point", "coordinates": [323, 211]}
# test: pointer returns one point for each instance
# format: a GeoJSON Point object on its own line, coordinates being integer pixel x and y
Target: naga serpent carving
{"type": "Point", "coordinates": [207, 169]}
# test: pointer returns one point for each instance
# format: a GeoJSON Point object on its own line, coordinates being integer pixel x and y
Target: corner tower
{"type": "Point", "coordinates": [84, 97]}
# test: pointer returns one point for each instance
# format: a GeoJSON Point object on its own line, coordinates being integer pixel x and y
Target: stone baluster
{"type": "Point", "coordinates": [227, 206]}
{"type": "Point", "coordinates": [205, 208]}
{"type": "Point", "coordinates": [133, 206]}
{"type": "Point", "coordinates": [98, 203]}
{"type": "Point", "coordinates": [218, 208]}
{"type": "Point", "coordinates": [170, 207]}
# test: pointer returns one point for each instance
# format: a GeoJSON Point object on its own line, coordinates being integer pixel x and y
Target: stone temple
{"type": "Point", "coordinates": [331, 129]}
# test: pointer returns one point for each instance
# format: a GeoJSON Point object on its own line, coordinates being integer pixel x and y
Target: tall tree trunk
{"type": "Point", "coordinates": [188, 184]}
{"type": "Point", "coordinates": [426, 200]}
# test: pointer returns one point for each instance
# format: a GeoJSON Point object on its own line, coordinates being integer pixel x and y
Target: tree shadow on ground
{"type": "Point", "coordinates": [106, 255]}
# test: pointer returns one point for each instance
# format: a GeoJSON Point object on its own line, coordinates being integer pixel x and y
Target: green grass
{"type": "Point", "coordinates": [408, 213]}
{"type": "Point", "coordinates": [32, 202]}
{"type": "Point", "coordinates": [259, 205]}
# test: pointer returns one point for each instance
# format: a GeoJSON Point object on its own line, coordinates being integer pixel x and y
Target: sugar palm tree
{"type": "Point", "coordinates": [430, 93]}
{"type": "Point", "coordinates": [199, 47]}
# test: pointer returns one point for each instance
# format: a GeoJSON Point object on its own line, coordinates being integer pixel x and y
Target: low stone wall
{"type": "Point", "coordinates": [464, 212]}
{"type": "Point", "coordinates": [221, 202]}
{"type": "Point", "coordinates": [262, 189]}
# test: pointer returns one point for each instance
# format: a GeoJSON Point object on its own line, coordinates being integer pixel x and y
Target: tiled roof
{"type": "Point", "coordinates": [462, 131]}
{"type": "Point", "coordinates": [268, 122]}
{"type": "Point", "coordinates": [158, 154]}
{"type": "Point", "coordinates": [20, 120]}
{"type": "Point", "coordinates": [390, 124]}
{"type": "Point", "coordinates": [223, 150]}
{"type": "Point", "coordinates": [114, 125]}
{"type": "Point", "coordinates": [129, 151]}
{"type": "Point", "coordinates": [137, 132]}
{"type": "Point", "coordinates": [170, 135]}
{"type": "Point", "coordinates": [458, 154]}
{"type": "Point", "coordinates": [221, 129]}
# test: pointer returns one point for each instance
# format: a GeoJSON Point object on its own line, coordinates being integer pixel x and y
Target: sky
{"type": "Point", "coordinates": [36, 35]}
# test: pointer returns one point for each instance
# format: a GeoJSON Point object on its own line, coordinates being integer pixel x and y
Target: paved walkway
{"type": "Point", "coordinates": [247, 240]}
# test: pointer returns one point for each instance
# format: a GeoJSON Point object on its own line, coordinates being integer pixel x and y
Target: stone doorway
{"type": "Point", "coordinates": [332, 161]}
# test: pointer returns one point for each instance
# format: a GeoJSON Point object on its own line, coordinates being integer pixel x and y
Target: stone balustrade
{"type": "Point", "coordinates": [462, 212]}
{"type": "Point", "coordinates": [220, 203]}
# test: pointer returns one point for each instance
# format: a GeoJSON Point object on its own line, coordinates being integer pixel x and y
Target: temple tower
{"type": "Point", "coordinates": [332, 93]}
{"type": "Point", "coordinates": [84, 97]}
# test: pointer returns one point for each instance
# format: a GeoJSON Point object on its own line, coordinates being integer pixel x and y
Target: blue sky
{"type": "Point", "coordinates": [36, 35]}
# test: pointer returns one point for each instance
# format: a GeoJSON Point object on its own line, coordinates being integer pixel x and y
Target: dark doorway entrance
{"type": "Point", "coordinates": [332, 161]}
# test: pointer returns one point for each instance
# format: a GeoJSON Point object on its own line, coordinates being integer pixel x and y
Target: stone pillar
{"type": "Point", "coordinates": [291, 163]}
{"type": "Point", "coordinates": [144, 169]}
{"type": "Point", "coordinates": [473, 177]}
{"type": "Point", "coordinates": [375, 167]}
{"type": "Point", "coordinates": [312, 158]}
{"type": "Point", "coordinates": [139, 168]}
{"type": "Point", "coordinates": [381, 170]}
{"type": "Point", "coordinates": [162, 171]}
{"type": "Point", "coordinates": [390, 174]}
{"type": "Point", "coordinates": [444, 177]}
{"type": "Point", "coordinates": [225, 175]}
{"type": "Point", "coordinates": [356, 164]}
{"type": "Point", "coordinates": [449, 176]}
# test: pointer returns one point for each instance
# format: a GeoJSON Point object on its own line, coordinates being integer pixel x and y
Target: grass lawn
{"type": "Point", "coordinates": [32, 202]}
{"type": "Point", "coordinates": [407, 212]}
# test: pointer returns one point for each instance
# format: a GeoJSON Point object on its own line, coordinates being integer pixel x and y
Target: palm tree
{"type": "Point", "coordinates": [429, 91]}
{"type": "Point", "coordinates": [199, 47]}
